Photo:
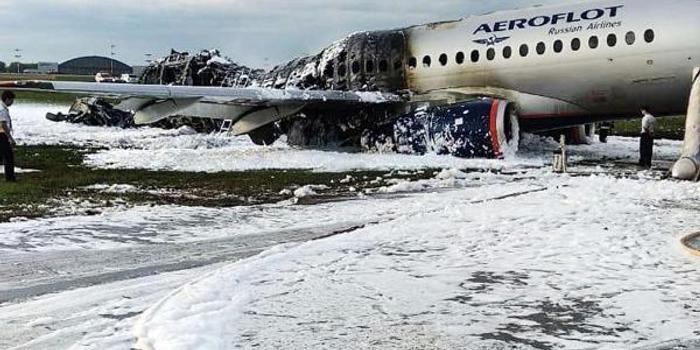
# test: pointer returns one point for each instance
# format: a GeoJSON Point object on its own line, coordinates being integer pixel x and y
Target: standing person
{"type": "Point", "coordinates": [7, 142]}
{"type": "Point", "coordinates": [646, 144]}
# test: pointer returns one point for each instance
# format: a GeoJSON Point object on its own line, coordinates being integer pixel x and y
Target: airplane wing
{"type": "Point", "coordinates": [247, 109]}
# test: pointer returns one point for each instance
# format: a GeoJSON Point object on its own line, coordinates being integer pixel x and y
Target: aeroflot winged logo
{"type": "Point", "coordinates": [493, 40]}
{"type": "Point", "coordinates": [553, 20]}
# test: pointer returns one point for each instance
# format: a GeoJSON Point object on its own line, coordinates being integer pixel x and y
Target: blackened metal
{"type": "Point", "coordinates": [207, 68]}
{"type": "Point", "coordinates": [365, 61]}
{"type": "Point", "coordinates": [99, 112]}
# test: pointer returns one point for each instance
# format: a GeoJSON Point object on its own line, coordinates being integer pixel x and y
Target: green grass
{"type": "Point", "coordinates": [62, 175]}
{"type": "Point", "coordinates": [45, 97]}
{"type": "Point", "coordinates": [667, 127]}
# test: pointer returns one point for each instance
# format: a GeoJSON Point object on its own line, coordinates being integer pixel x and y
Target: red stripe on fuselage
{"type": "Point", "coordinates": [493, 128]}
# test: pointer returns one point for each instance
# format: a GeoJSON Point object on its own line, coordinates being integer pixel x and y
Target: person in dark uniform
{"type": "Point", "coordinates": [646, 144]}
{"type": "Point", "coordinates": [7, 142]}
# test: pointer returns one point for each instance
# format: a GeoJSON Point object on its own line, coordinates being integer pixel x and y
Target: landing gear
{"type": "Point", "coordinates": [604, 131]}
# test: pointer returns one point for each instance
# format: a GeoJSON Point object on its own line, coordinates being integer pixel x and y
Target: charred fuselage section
{"type": "Point", "coordinates": [365, 61]}
{"type": "Point", "coordinates": [376, 61]}
{"type": "Point", "coordinates": [208, 68]}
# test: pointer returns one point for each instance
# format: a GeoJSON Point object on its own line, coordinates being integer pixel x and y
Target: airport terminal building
{"type": "Point", "coordinates": [91, 65]}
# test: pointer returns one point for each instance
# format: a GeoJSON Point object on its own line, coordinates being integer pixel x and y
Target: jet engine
{"type": "Point", "coordinates": [482, 128]}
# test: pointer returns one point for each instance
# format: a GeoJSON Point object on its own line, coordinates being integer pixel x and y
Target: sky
{"type": "Point", "coordinates": [258, 33]}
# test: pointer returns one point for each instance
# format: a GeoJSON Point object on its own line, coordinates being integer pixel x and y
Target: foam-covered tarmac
{"type": "Point", "coordinates": [511, 258]}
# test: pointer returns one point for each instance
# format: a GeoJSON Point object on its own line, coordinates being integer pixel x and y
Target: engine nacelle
{"type": "Point", "coordinates": [483, 128]}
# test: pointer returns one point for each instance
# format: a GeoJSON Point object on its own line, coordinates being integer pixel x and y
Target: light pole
{"type": "Point", "coordinates": [111, 59]}
{"type": "Point", "coordinates": [18, 55]}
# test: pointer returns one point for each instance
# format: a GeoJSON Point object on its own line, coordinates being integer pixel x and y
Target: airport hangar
{"type": "Point", "coordinates": [91, 65]}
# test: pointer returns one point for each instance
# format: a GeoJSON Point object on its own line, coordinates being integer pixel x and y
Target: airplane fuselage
{"type": "Point", "coordinates": [600, 59]}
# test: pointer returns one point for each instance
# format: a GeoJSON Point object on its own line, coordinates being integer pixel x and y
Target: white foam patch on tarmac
{"type": "Point", "coordinates": [116, 228]}
{"type": "Point", "coordinates": [185, 150]}
{"type": "Point", "coordinates": [585, 263]}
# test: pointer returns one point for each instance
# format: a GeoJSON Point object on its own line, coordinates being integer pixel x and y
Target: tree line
{"type": "Point", "coordinates": [12, 67]}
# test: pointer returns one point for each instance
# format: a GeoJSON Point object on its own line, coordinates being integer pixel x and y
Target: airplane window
{"type": "Point", "coordinates": [383, 66]}
{"type": "Point", "coordinates": [398, 64]}
{"type": "Point", "coordinates": [342, 71]}
{"type": "Point", "coordinates": [593, 42]}
{"type": "Point", "coordinates": [328, 71]}
{"type": "Point", "coordinates": [507, 52]}
{"type": "Point", "coordinates": [649, 36]}
{"type": "Point", "coordinates": [612, 40]}
{"type": "Point", "coordinates": [541, 48]}
{"type": "Point", "coordinates": [524, 50]}
{"type": "Point", "coordinates": [558, 46]}
{"type": "Point", "coordinates": [369, 66]}
{"type": "Point", "coordinates": [630, 38]}
{"type": "Point", "coordinates": [575, 44]}
{"type": "Point", "coordinates": [427, 61]}
{"type": "Point", "coordinates": [443, 59]}
{"type": "Point", "coordinates": [475, 56]}
{"type": "Point", "coordinates": [490, 54]}
{"type": "Point", "coordinates": [459, 58]}
{"type": "Point", "coordinates": [355, 67]}
{"type": "Point", "coordinates": [413, 62]}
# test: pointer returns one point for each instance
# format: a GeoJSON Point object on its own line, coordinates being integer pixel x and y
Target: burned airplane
{"type": "Point", "coordinates": [465, 87]}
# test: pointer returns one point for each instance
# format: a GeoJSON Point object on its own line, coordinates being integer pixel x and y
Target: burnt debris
{"type": "Point", "coordinates": [364, 61]}
{"type": "Point", "coordinates": [95, 112]}
{"type": "Point", "coordinates": [99, 112]}
{"type": "Point", "coordinates": [208, 68]}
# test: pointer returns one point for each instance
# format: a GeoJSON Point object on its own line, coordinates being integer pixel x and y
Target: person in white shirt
{"type": "Point", "coordinates": [7, 142]}
{"type": "Point", "coordinates": [646, 144]}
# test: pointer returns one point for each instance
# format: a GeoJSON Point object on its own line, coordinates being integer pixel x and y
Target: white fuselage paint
{"type": "Point", "coordinates": [608, 80]}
